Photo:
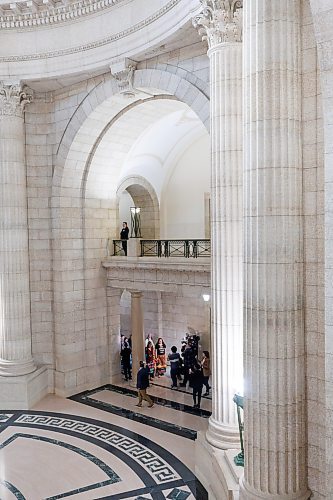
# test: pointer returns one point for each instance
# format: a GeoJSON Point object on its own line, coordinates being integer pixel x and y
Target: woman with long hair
{"type": "Point", "coordinates": [151, 359]}
{"type": "Point", "coordinates": [205, 364]}
{"type": "Point", "coordinates": [161, 362]}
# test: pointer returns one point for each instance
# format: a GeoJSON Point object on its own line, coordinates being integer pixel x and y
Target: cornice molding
{"type": "Point", "coordinates": [220, 21]}
{"type": "Point", "coordinates": [97, 43]}
{"type": "Point", "coordinates": [13, 99]}
{"type": "Point", "coordinates": [33, 15]}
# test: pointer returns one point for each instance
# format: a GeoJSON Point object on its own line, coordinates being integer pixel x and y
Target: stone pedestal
{"type": "Point", "coordinates": [133, 247]}
{"type": "Point", "coordinates": [275, 425]}
{"type": "Point", "coordinates": [215, 468]}
{"type": "Point", "coordinates": [15, 330]}
{"type": "Point", "coordinates": [22, 392]}
{"type": "Point", "coordinates": [220, 23]}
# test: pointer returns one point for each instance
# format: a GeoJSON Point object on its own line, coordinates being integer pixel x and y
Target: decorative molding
{"type": "Point", "coordinates": [13, 99]}
{"type": "Point", "coordinates": [93, 45]}
{"type": "Point", "coordinates": [123, 73]}
{"type": "Point", "coordinates": [30, 14]}
{"type": "Point", "coordinates": [220, 21]}
{"type": "Point", "coordinates": [54, 14]}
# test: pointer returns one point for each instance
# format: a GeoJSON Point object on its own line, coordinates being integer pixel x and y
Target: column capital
{"type": "Point", "coordinates": [13, 99]}
{"type": "Point", "coordinates": [220, 21]}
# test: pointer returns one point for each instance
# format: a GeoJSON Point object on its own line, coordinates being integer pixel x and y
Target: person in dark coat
{"type": "Point", "coordinates": [142, 383]}
{"type": "Point", "coordinates": [189, 361]}
{"type": "Point", "coordinates": [126, 360]}
{"type": "Point", "coordinates": [174, 359]}
{"type": "Point", "coordinates": [197, 380]}
{"type": "Point", "coordinates": [124, 236]}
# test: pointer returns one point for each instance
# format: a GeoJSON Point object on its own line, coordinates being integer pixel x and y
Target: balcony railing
{"type": "Point", "coordinates": [175, 248]}
{"type": "Point", "coordinates": [168, 248]}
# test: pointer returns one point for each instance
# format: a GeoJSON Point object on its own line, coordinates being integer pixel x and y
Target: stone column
{"type": "Point", "coordinates": [220, 24]}
{"type": "Point", "coordinates": [138, 341]}
{"type": "Point", "coordinates": [15, 329]}
{"type": "Point", "coordinates": [275, 430]}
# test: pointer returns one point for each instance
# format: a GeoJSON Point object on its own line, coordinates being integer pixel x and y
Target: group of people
{"type": "Point", "coordinates": [185, 367]}
{"type": "Point", "coordinates": [156, 358]}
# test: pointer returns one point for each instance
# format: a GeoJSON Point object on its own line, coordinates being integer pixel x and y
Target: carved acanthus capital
{"type": "Point", "coordinates": [13, 99]}
{"type": "Point", "coordinates": [123, 72]}
{"type": "Point", "coordinates": [220, 21]}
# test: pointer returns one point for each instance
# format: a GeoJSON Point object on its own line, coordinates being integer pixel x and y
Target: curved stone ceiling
{"type": "Point", "coordinates": [83, 36]}
{"type": "Point", "coordinates": [144, 141]}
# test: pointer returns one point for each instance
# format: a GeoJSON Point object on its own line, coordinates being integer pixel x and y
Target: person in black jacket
{"type": "Point", "coordinates": [124, 236]}
{"type": "Point", "coordinates": [126, 360]}
{"type": "Point", "coordinates": [142, 383]}
{"type": "Point", "coordinates": [196, 381]}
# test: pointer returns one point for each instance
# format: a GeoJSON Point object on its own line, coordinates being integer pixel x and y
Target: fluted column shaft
{"type": "Point", "coordinates": [138, 342]}
{"type": "Point", "coordinates": [226, 230]}
{"type": "Point", "coordinates": [15, 329]}
{"type": "Point", "coordinates": [274, 333]}
{"type": "Point", "coordinates": [221, 24]}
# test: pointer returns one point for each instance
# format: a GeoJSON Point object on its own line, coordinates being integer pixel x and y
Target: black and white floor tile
{"type": "Point", "coordinates": [98, 445]}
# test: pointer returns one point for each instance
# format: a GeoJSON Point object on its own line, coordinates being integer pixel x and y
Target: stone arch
{"type": "Point", "coordinates": [144, 196]}
{"type": "Point", "coordinates": [81, 227]}
{"type": "Point", "coordinates": [169, 83]}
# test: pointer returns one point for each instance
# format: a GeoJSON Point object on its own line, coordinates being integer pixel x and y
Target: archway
{"type": "Point", "coordinates": [84, 216]}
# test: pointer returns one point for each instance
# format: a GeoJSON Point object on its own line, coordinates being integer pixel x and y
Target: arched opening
{"type": "Point", "coordinates": [104, 149]}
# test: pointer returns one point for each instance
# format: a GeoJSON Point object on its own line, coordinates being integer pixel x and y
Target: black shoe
{"type": "Point", "coordinates": [195, 406]}
{"type": "Point", "coordinates": [206, 394]}
{"type": "Point", "coordinates": [126, 379]}
{"type": "Point", "coordinates": [182, 385]}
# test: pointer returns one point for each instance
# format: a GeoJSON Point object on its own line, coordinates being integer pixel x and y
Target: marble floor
{"type": "Point", "coordinates": [99, 445]}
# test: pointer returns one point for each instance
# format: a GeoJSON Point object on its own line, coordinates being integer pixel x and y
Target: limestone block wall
{"type": "Point", "coordinates": [313, 204]}
{"type": "Point", "coordinates": [190, 62]}
{"type": "Point", "coordinates": [39, 146]}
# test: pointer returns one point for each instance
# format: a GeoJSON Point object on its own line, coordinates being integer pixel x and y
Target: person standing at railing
{"type": "Point", "coordinates": [124, 237]}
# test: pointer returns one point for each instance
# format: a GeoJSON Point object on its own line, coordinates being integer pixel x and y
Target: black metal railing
{"type": "Point", "coordinates": [118, 247]}
{"type": "Point", "coordinates": [175, 248]}
{"type": "Point", "coordinates": [168, 248]}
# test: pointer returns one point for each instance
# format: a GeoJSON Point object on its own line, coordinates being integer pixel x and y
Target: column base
{"type": "Point", "coordinates": [216, 470]}
{"type": "Point", "coordinates": [16, 368]}
{"type": "Point", "coordinates": [22, 392]}
{"type": "Point", "coordinates": [221, 436]}
{"type": "Point", "coordinates": [247, 493]}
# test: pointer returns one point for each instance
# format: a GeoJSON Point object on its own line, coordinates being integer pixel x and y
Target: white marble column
{"type": "Point", "coordinates": [15, 330]}
{"type": "Point", "coordinates": [221, 24]}
{"type": "Point", "coordinates": [138, 341]}
{"type": "Point", "coordinates": [275, 428]}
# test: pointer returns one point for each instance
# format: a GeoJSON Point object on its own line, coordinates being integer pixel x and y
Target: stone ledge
{"type": "Point", "coordinates": [216, 470]}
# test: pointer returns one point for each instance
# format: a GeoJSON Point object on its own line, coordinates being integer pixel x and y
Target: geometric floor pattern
{"type": "Point", "coordinates": [52, 455]}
